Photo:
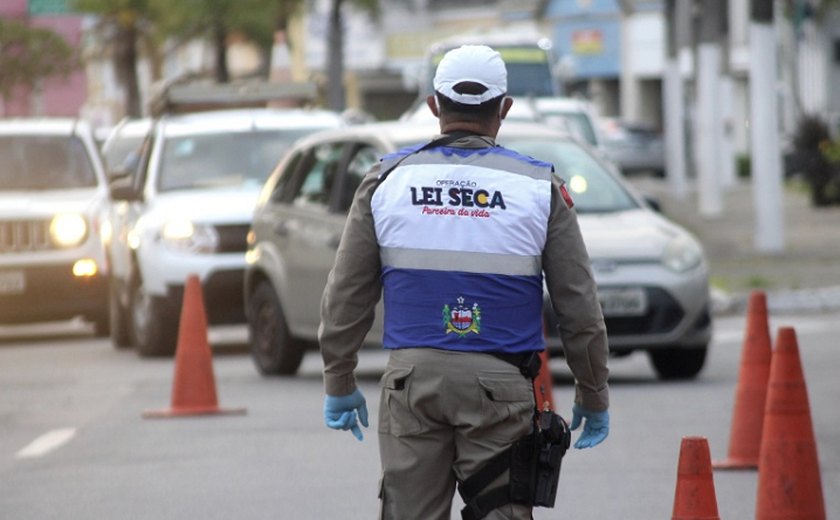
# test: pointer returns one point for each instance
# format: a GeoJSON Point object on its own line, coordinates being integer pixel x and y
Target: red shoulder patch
{"type": "Point", "coordinates": [566, 197]}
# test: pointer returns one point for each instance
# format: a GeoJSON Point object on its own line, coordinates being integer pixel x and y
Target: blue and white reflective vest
{"type": "Point", "coordinates": [461, 233]}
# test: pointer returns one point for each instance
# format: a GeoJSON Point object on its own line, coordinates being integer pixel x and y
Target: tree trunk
{"type": "Point", "coordinates": [126, 66]}
{"type": "Point", "coordinates": [335, 58]}
{"type": "Point", "coordinates": [220, 44]}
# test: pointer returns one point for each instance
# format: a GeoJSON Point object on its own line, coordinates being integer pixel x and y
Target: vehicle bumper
{"type": "Point", "coordinates": [678, 313]}
{"type": "Point", "coordinates": [223, 296]}
{"type": "Point", "coordinates": [636, 161]}
{"type": "Point", "coordinates": [51, 293]}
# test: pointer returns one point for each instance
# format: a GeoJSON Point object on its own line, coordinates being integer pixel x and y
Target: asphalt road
{"type": "Point", "coordinates": [74, 444]}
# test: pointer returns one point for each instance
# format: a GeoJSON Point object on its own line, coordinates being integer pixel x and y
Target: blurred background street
{"type": "Point", "coordinates": [805, 277]}
{"type": "Point", "coordinates": [114, 191]}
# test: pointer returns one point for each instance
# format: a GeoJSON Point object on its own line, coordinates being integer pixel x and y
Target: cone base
{"type": "Point", "coordinates": [735, 464]}
{"type": "Point", "coordinates": [191, 412]}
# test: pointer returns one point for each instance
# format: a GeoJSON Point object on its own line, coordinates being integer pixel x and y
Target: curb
{"type": "Point", "coordinates": [789, 301]}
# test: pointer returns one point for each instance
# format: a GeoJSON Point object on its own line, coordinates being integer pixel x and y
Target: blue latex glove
{"type": "Point", "coordinates": [340, 413]}
{"type": "Point", "coordinates": [595, 429]}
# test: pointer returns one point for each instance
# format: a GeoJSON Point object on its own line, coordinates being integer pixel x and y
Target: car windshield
{"type": "Point", "coordinates": [223, 160]}
{"type": "Point", "coordinates": [44, 163]}
{"type": "Point", "coordinates": [578, 123]}
{"type": "Point", "coordinates": [591, 185]}
{"type": "Point", "coordinates": [121, 149]}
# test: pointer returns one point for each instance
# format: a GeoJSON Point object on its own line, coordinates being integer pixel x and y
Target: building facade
{"type": "Point", "coordinates": [611, 51]}
{"type": "Point", "coordinates": [54, 96]}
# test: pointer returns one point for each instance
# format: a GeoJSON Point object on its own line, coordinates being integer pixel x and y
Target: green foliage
{"type": "Point", "coordinates": [758, 282]}
{"type": "Point", "coordinates": [831, 151]}
{"type": "Point", "coordinates": [810, 132]}
{"type": "Point", "coordinates": [31, 54]}
{"type": "Point", "coordinates": [255, 19]}
{"type": "Point", "coordinates": [818, 156]}
{"type": "Point", "coordinates": [743, 166]}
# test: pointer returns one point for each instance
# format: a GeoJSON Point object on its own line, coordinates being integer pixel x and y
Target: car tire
{"type": "Point", "coordinates": [101, 325]}
{"type": "Point", "coordinates": [678, 363]}
{"type": "Point", "coordinates": [154, 331]}
{"type": "Point", "coordinates": [119, 319]}
{"type": "Point", "coordinates": [273, 349]}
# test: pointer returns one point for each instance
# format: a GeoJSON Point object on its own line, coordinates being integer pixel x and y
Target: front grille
{"type": "Point", "coordinates": [23, 236]}
{"type": "Point", "coordinates": [664, 313]}
{"type": "Point", "coordinates": [233, 238]}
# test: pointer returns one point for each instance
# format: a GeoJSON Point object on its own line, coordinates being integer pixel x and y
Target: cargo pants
{"type": "Point", "coordinates": [442, 414]}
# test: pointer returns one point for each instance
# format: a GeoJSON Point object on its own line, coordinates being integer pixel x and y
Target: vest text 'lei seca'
{"type": "Point", "coordinates": [461, 233]}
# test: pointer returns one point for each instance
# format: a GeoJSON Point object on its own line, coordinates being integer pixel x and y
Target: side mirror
{"type": "Point", "coordinates": [127, 168]}
{"type": "Point", "coordinates": [118, 173]}
{"type": "Point", "coordinates": [122, 188]}
{"type": "Point", "coordinates": [654, 204]}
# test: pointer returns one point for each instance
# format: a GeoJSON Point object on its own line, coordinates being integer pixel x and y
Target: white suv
{"type": "Point", "coordinates": [53, 199]}
{"type": "Point", "coordinates": [186, 210]}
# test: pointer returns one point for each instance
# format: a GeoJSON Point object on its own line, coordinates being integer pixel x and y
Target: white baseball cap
{"type": "Point", "coordinates": [471, 63]}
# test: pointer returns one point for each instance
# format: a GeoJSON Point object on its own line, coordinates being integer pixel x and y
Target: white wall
{"type": "Point", "coordinates": [645, 37]}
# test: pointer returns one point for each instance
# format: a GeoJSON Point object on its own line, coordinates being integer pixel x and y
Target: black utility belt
{"type": "Point", "coordinates": [529, 363]}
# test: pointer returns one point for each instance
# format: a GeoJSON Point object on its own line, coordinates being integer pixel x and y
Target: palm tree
{"type": "Point", "coordinates": [122, 26]}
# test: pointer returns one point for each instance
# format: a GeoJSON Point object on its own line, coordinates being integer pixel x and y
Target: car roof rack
{"type": "Point", "coordinates": [186, 95]}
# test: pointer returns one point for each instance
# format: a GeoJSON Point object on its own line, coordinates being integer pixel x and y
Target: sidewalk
{"type": "Point", "coordinates": [805, 277]}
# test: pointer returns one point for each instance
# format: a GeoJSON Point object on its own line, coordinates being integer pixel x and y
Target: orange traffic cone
{"type": "Point", "coordinates": [751, 393]}
{"type": "Point", "coordinates": [789, 484]}
{"type": "Point", "coordinates": [194, 386]}
{"type": "Point", "coordinates": [543, 393]}
{"type": "Point", "coordinates": [695, 497]}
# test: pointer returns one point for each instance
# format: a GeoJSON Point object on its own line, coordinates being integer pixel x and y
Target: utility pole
{"type": "Point", "coordinates": [677, 22]}
{"type": "Point", "coordinates": [726, 157]}
{"type": "Point", "coordinates": [765, 155]}
{"type": "Point", "coordinates": [710, 197]}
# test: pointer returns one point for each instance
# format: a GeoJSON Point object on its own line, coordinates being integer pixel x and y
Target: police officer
{"type": "Point", "coordinates": [463, 294]}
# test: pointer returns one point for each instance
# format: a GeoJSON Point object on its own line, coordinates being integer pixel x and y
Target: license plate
{"type": "Point", "coordinates": [12, 282]}
{"type": "Point", "coordinates": [623, 302]}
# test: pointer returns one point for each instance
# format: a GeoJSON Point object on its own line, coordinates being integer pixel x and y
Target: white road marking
{"type": "Point", "coordinates": [46, 443]}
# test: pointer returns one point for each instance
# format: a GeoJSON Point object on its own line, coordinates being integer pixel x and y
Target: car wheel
{"type": "Point", "coordinates": [119, 320]}
{"type": "Point", "coordinates": [154, 331]}
{"type": "Point", "coordinates": [678, 363]}
{"type": "Point", "coordinates": [101, 325]}
{"type": "Point", "coordinates": [272, 346]}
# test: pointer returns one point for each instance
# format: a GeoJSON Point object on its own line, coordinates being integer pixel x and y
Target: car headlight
{"type": "Point", "coordinates": [68, 229]}
{"type": "Point", "coordinates": [682, 254]}
{"type": "Point", "coordinates": [184, 235]}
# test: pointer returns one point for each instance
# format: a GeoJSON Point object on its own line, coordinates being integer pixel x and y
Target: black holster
{"type": "Point", "coordinates": [534, 463]}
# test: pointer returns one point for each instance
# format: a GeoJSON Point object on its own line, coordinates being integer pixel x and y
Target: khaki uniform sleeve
{"type": "Point", "coordinates": [352, 291]}
{"type": "Point", "coordinates": [573, 294]}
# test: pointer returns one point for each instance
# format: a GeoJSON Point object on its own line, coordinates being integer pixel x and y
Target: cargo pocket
{"type": "Point", "coordinates": [395, 414]}
{"type": "Point", "coordinates": [505, 397]}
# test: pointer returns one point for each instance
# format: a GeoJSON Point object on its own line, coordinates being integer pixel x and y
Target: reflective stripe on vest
{"type": "Point", "coordinates": [461, 234]}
